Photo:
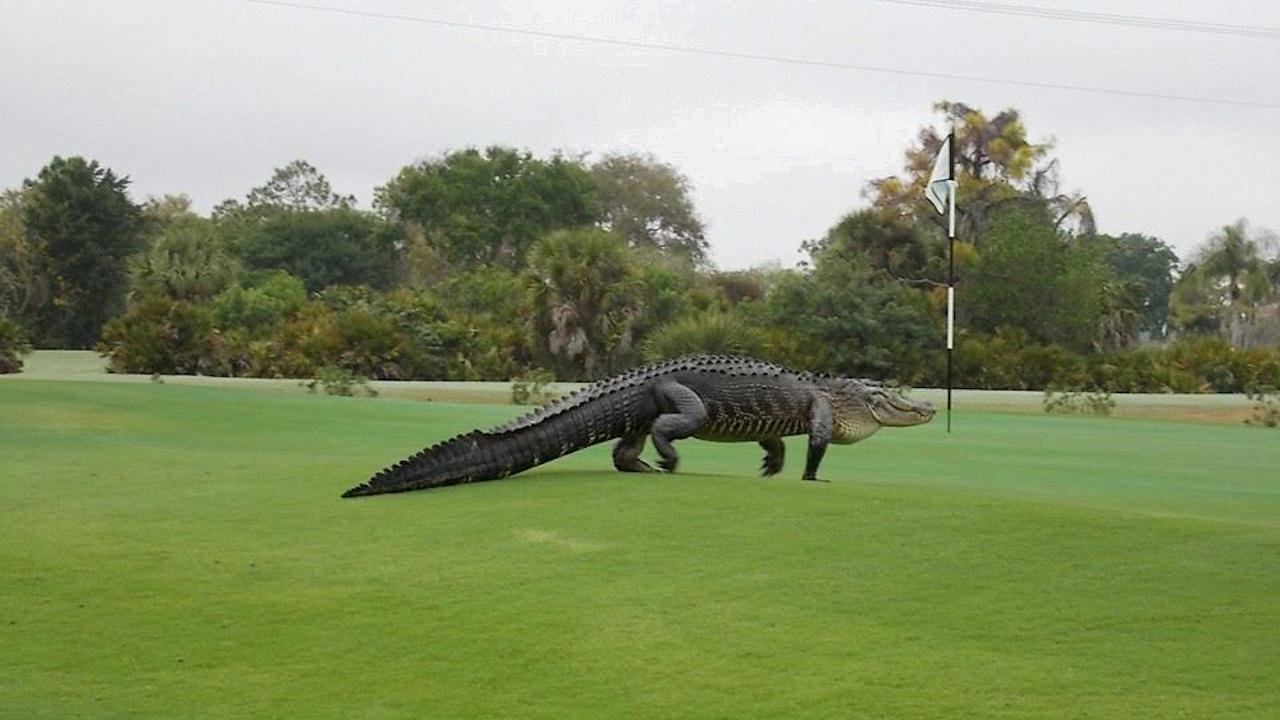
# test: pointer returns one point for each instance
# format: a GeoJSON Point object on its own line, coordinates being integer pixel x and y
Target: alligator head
{"type": "Point", "coordinates": [861, 407]}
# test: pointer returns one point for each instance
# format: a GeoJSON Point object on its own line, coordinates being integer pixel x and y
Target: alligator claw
{"type": "Point", "coordinates": [668, 465]}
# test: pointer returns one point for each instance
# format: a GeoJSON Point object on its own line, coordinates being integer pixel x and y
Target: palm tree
{"type": "Point", "coordinates": [584, 288]}
{"type": "Point", "coordinates": [1121, 314]}
{"type": "Point", "coordinates": [186, 262]}
{"type": "Point", "coordinates": [1235, 262]}
{"type": "Point", "coordinates": [711, 333]}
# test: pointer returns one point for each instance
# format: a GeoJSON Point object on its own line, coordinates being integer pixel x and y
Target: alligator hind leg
{"type": "Point", "coordinates": [685, 416]}
{"type": "Point", "coordinates": [626, 454]}
{"type": "Point", "coordinates": [774, 453]}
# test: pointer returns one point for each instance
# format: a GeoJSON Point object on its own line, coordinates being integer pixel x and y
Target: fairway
{"type": "Point", "coordinates": [178, 551]}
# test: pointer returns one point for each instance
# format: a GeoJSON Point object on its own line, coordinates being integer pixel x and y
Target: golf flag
{"type": "Point", "coordinates": [941, 191]}
{"type": "Point", "coordinates": [940, 187]}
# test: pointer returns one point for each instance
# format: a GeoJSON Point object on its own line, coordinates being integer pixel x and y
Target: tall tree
{"type": "Point", "coordinates": [1143, 268]}
{"type": "Point", "coordinates": [848, 309]}
{"type": "Point", "coordinates": [296, 187]}
{"type": "Point", "coordinates": [847, 319]}
{"type": "Point", "coordinates": [1236, 266]}
{"type": "Point", "coordinates": [1121, 304]}
{"type": "Point", "coordinates": [996, 166]}
{"type": "Point", "coordinates": [893, 246]}
{"type": "Point", "coordinates": [81, 214]}
{"type": "Point", "coordinates": [24, 266]}
{"type": "Point", "coordinates": [648, 203]}
{"type": "Point", "coordinates": [295, 222]}
{"type": "Point", "coordinates": [474, 207]}
{"type": "Point", "coordinates": [1031, 277]}
{"type": "Point", "coordinates": [160, 212]}
{"type": "Point", "coordinates": [333, 247]}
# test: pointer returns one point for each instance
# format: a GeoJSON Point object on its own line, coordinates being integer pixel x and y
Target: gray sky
{"type": "Point", "coordinates": [207, 96]}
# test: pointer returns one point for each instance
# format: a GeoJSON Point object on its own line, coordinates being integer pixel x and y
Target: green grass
{"type": "Point", "coordinates": [173, 551]}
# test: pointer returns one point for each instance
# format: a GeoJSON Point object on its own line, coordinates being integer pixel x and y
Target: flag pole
{"type": "Point", "coordinates": [951, 262]}
{"type": "Point", "coordinates": [933, 190]}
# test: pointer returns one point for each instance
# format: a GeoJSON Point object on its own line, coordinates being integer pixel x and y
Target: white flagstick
{"type": "Point", "coordinates": [944, 176]}
{"type": "Point", "coordinates": [951, 318]}
{"type": "Point", "coordinates": [951, 283]}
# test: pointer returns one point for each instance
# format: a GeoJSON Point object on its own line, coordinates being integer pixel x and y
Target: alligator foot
{"type": "Point", "coordinates": [774, 454]}
{"type": "Point", "coordinates": [815, 479]}
{"type": "Point", "coordinates": [637, 465]}
{"type": "Point", "coordinates": [669, 464]}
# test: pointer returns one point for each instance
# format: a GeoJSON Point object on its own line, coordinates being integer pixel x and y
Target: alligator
{"type": "Point", "coordinates": [710, 397]}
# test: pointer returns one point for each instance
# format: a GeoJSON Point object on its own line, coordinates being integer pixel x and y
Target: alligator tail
{"type": "Point", "coordinates": [565, 426]}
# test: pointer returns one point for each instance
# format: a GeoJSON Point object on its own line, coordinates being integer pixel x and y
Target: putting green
{"type": "Point", "coordinates": [173, 551]}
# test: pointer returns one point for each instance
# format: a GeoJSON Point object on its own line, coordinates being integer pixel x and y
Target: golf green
{"type": "Point", "coordinates": [173, 551]}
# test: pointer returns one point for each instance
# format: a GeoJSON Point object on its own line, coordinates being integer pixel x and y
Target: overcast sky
{"type": "Point", "coordinates": [205, 97]}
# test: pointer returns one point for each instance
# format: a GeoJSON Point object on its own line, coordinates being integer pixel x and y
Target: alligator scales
{"type": "Point", "coordinates": [728, 399]}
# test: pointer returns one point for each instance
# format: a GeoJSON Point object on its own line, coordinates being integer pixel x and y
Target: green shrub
{"type": "Point", "coordinates": [1078, 402]}
{"type": "Point", "coordinates": [533, 388]}
{"type": "Point", "coordinates": [1266, 407]}
{"type": "Point", "coordinates": [13, 345]}
{"type": "Point", "coordinates": [161, 335]}
{"type": "Point", "coordinates": [1223, 368]}
{"type": "Point", "coordinates": [339, 381]}
{"type": "Point", "coordinates": [317, 337]}
{"type": "Point", "coordinates": [433, 345]}
{"type": "Point", "coordinates": [262, 305]}
{"type": "Point", "coordinates": [708, 333]}
{"type": "Point", "coordinates": [1010, 360]}
{"type": "Point", "coordinates": [1190, 366]}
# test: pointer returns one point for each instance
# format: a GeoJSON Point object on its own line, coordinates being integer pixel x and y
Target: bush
{"type": "Point", "coordinates": [318, 337]}
{"type": "Point", "coordinates": [848, 320]}
{"type": "Point", "coordinates": [709, 334]}
{"type": "Point", "coordinates": [1266, 407]}
{"type": "Point", "coordinates": [433, 346]}
{"type": "Point", "coordinates": [338, 381]}
{"type": "Point", "coordinates": [1223, 368]}
{"type": "Point", "coordinates": [270, 329]}
{"type": "Point", "coordinates": [159, 335]}
{"type": "Point", "coordinates": [1078, 402]}
{"type": "Point", "coordinates": [262, 305]}
{"type": "Point", "coordinates": [1010, 360]}
{"type": "Point", "coordinates": [13, 345]}
{"type": "Point", "coordinates": [533, 388]}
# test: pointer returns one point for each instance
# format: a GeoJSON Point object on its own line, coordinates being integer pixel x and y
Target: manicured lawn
{"type": "Point", "coordinates": [173, 552]}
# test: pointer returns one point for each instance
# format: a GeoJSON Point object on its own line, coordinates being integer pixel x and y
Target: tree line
{"type": "Point", "coordinates": [493, 263]}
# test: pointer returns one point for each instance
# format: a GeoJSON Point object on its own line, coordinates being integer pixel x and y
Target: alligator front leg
{"type": "Point", "coordinates": [686, 416]}
{"type": "Point", "coordinates": [774, 453]}
{"type": "Point", "coordinates": [820, 423]}
{"type": "Point", "coordinates": [626, 454]}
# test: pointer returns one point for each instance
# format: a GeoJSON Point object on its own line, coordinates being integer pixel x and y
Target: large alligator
{"type": "Point", "coordinates": [729, 399]}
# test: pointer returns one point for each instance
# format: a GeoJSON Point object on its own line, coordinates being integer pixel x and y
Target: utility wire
{"type": "Point", "coordinates": [779, 59]}
{"type": "Point", "coordinates": [1036, 11]}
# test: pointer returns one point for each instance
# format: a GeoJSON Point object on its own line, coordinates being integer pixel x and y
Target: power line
{"type": "Point", "coordinates": [779, 59]}
{"type": "Point", "coordinates": [1157, 23]}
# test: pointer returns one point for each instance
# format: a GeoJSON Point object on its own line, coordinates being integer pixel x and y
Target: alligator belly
{"type": "Point", "coordinates": [726, 438]}
{"type": "Point", "coordinates": [748, 429]}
